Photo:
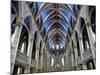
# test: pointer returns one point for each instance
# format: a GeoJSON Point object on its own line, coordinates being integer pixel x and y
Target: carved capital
{"type": "Point", "coordinates": [88, 24]}
{"type": "Point", "coordinates": [30, 39]}
{"type": "Point", "coordinates": [18, 23]}
{"type": "Point", "coordinates": [80, 38]}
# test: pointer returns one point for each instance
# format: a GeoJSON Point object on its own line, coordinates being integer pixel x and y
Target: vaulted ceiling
{"type": "Point", "coordinates": [56, 22]}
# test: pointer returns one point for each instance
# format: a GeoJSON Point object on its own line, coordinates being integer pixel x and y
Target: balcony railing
{"type": "Point", "coordinates": [21, 57]}
{"type": "Point", "coordinates": [79, 60]}
{"type": "Point", "coordinates": [87, 54]}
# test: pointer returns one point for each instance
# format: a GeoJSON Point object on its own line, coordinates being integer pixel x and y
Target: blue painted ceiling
{"type": "Point", "coordinates": [58, 21]}
{"type": "Point", "coordinates": [55, 21]}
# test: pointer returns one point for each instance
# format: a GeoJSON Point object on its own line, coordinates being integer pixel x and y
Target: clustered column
{"type": "Point", "coordinates": [41, 60]}
{"type": "Point", "coordinates": [14, 44]}
{"type": "Point", "coordinates": [82, 51]}
{"type": "Point", "coordinates": [72, 57]}
{"type": "Point", "coordinates": [37, 57]}
{"type": "Point", "coordinates": [29, 54]}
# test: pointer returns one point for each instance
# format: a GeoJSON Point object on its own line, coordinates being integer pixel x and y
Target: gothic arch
{"type": "Point", "coordinates": [82, 23]}
{"type": "Point", "coordinates": [84, 33]}
{"type": "Point", "coordinates": [28, 22]}
{"type": "Point", "coordinates": [24, 40]}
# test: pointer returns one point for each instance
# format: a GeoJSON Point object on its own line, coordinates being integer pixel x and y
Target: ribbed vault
{"type": "Point", "coordinates": [56, 22]}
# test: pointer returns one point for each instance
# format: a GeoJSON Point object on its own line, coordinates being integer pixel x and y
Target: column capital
{"type": "Point", "coordinates": [88, 24]}
{"type": "Point", "coordinates": [87, 19]}
{"type": "Point", "coordinates": [30, 39]}
{"type": "Point", "coordinates": [18, 23]}
{"type": "Point", "coordinates": [80, 38]}
{"type": "Point", "coordinates": [75, 46]}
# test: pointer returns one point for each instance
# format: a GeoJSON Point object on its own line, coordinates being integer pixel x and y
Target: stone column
{"type": "Point", "coordinates": [41, 60]}
{"type": "Point", "coordinates": [29, 53]}
{"type": "Point", "coordinates": [15, 40]}
{"type": "Point", "coordinates": [16, 36]}
{"type": "Point", "coordinates": [75, 51]}
{"type": "Point", "coordinates": [14, 44]}
{"type": "Point", "coordinates": [82, 51]}
{"type": "Point", "coordinates": [44, 60]}
{"type": "Point", "coordinates": [76, 58]}
{"type": "Point", "coordinates": [67, 59]}
{"type": "Point", "coordinates": [48, 60]}
{"type": "Point", "coordinates": [37, 57]}
{"type": "Point", "coordinates": [72, 57]}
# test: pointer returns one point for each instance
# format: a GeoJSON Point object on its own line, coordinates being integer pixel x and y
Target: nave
{"type": "Point", "coordinates": [52, 37]}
